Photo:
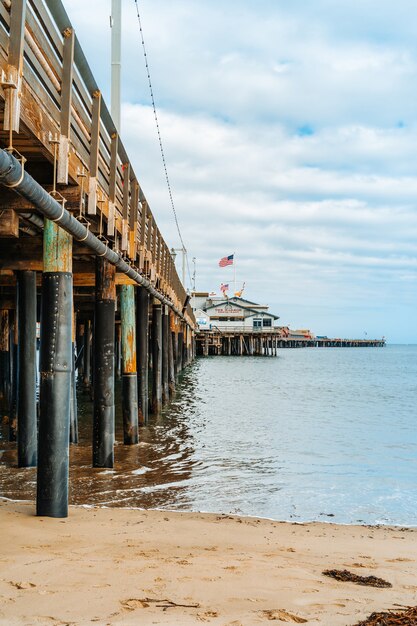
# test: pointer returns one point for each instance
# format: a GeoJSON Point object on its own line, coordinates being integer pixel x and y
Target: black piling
{"type": "Point", "coordinates": [156, 358]}
{"type": "Point", "coordinates": [165, 353]}
{"type": "Point", "coordinates": [27, 435]}
{"type": "Point", "coordinates": [56, 368]}
{"type": "Point", "coordinates": [142, 337]}
{"type": "Point", "coordinates": [104, 319]}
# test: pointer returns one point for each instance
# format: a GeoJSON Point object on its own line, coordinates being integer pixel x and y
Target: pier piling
{"type": "Point", "coordinates": [156, 358]}
{"type": "Point", "coordinates": [27, 444]}
{"type": "Point", "coordinates": [104, 322]}
{"type": "Point", "coordinates": [129, 368]}
{"type": "Point", "coordinates": [55, 368]}
{"type": "Point", "coordinates": [142, 335]}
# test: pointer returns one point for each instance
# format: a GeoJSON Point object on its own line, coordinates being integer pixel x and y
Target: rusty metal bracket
{"type": "Point", "coordinates": [22, 161]}
{"type": "Point", "coordinates": [84, 221]}
{"type": "Point", "coordinates": [59, 198]}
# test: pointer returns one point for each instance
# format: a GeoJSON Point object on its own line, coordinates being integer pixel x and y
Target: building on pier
{"type": "Point", "coordinates": [231, 314]}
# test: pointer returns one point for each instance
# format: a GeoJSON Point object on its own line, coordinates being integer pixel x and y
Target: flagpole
{"type": "Point", "coordinates": [234, 273]}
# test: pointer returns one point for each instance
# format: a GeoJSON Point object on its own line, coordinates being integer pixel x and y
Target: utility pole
{"type": "Point", "coordinates": [116, 60]}
{"type": "Point", "coordinates": [194, 260]}
{"type": "Point", "coordinates": [174, 254]}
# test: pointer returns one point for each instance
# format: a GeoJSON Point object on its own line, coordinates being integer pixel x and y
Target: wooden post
{"type": "Point", "coordinates": [15, 64]}
{"type": "Point", "coordinates": [27, 432]}
{"type": "Point", "coordinates": [143, 354]}
{"type": "Point", "coordinates": [103, 425]}
{"type": "Point", "coordinates": [94, 152]}
{"type": "Point", "coordinates": [56, 368]}
{"type": "Point", "coordinates": [66, 99]}
{"type": "Point", "coordinates": [171, 359]}
{"type": "Point", "coordinates": [129, 369]}
{"type": "Point", "coordinates": [156, 358]}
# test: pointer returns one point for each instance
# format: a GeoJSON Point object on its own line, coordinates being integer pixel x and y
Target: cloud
{"type": "Point", "coordinates": [290, 136]}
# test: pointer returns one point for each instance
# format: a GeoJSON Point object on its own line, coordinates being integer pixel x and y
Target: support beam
{"type": "Point", "coordinates": [15, 65]}
{"type": "Point", "coordinates": [66, 99]}
{"type": "Point", "coordinates": [129, 369]}
{"type": "Point", "coordinates": [143, 354]}
{"type": "Point", "coordinates": [27, 436]}
{"type": "Point", "coordinates": [156, 359]}
{"type": "Point", "coordinates": [103, 424]}
{"type": "Point", "coordinates": [94, 152]}
{"type": "Point", "coordinates": [56, 368]}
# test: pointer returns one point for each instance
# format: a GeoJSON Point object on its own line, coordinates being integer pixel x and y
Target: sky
{"type": "Point", "coordinates": [290, 135]}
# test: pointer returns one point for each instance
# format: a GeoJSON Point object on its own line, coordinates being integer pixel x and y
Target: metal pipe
{"type": "Point", "coordinates": [11, 175]}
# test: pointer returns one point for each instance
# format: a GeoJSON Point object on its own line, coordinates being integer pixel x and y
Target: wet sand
{"type": "Point", "coordinates": [118, 566]}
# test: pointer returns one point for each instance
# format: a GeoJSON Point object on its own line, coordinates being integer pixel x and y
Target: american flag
{"type": "Point", "coordinates": [226, 260]}
{"type": "Point", "coordinates": [224, 288]}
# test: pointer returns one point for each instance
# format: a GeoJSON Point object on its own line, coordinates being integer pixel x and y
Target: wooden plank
{"type": "Point", "coordinates": [95, 133]}
{"type": "Point", "coordinates": [143, 223]}
{"type": "Point", "coordinates": [11, 200]}
{"type": "Point", "coordinates": [17, 34]}
{"type": "Point", "coordinates": [94, 148]}
{"type": "Point", "coordinates": [66, 99]}
{"type": "Point", "coordinates": [133, 215]}
{"type": "Point", "coordinates": [43, 42]}
{"type": "Point", "coordinates": [48, 26]}
{"type": "Point", "coordinates": [126, 190]}
{"type": "Point", "coordinates": [15, 65]}
{"type": "Point", "coordinates": [111, 223]}
{"type": "Point", "coordinates": [66, 84]}
{"type": "Point", "coordinates": [9, 223]}
{"type": "Point", "coordinates": [113, 167]}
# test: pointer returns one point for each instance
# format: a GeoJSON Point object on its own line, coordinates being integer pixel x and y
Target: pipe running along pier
{"type": "Point", "coordinates": [80, 254]}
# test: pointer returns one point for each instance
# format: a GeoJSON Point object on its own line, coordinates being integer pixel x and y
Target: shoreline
{"type": "Point", "coordinates": [242, 516]}
{"type": "Point", "coordinates": [116, 566]}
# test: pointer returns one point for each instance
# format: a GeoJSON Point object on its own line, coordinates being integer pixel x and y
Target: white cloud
{"type": "Point", "coordinates": [290, 135]}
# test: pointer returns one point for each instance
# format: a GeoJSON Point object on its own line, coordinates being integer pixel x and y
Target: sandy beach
{"type": "Point", "coordinates": [118, 566]}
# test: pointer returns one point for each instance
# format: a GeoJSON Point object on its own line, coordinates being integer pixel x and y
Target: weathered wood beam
{"type": "Point", "coordinates": [15, 65]}
{"type": "Point", "coordinates": [66, 100]}
{"type": "Point", "coordinates": [9, 223]}
{"type": "Point", "coordinates": [94, 152]}
{"type": "Point", "coordinates": [11, 200]}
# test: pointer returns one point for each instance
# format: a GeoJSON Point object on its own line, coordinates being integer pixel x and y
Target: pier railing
{"type": "Point", "coordinates": [53, 105]}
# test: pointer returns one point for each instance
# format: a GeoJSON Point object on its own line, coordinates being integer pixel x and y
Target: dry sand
{"type": "Point", "coordinates": [117, 566]}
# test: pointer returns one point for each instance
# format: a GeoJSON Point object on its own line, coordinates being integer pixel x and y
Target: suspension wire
{"type": "Point", "coordinates": [158, 130]}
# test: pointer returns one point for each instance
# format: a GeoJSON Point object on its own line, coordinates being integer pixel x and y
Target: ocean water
{"type": "Point", "coordinates": [314, 434]}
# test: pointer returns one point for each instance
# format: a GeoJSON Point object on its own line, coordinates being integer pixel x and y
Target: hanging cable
{"type": "Point", "coordinates": [158, 130]}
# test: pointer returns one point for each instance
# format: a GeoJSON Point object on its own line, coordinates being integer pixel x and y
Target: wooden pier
{"type": "Point", "coordinates": [266, 343]}
{"type": "Point", "coordinates": [81, 257]}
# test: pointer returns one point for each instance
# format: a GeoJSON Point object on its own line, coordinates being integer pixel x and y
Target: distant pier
{"type": "Point", "coordinates": [261, 343]}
